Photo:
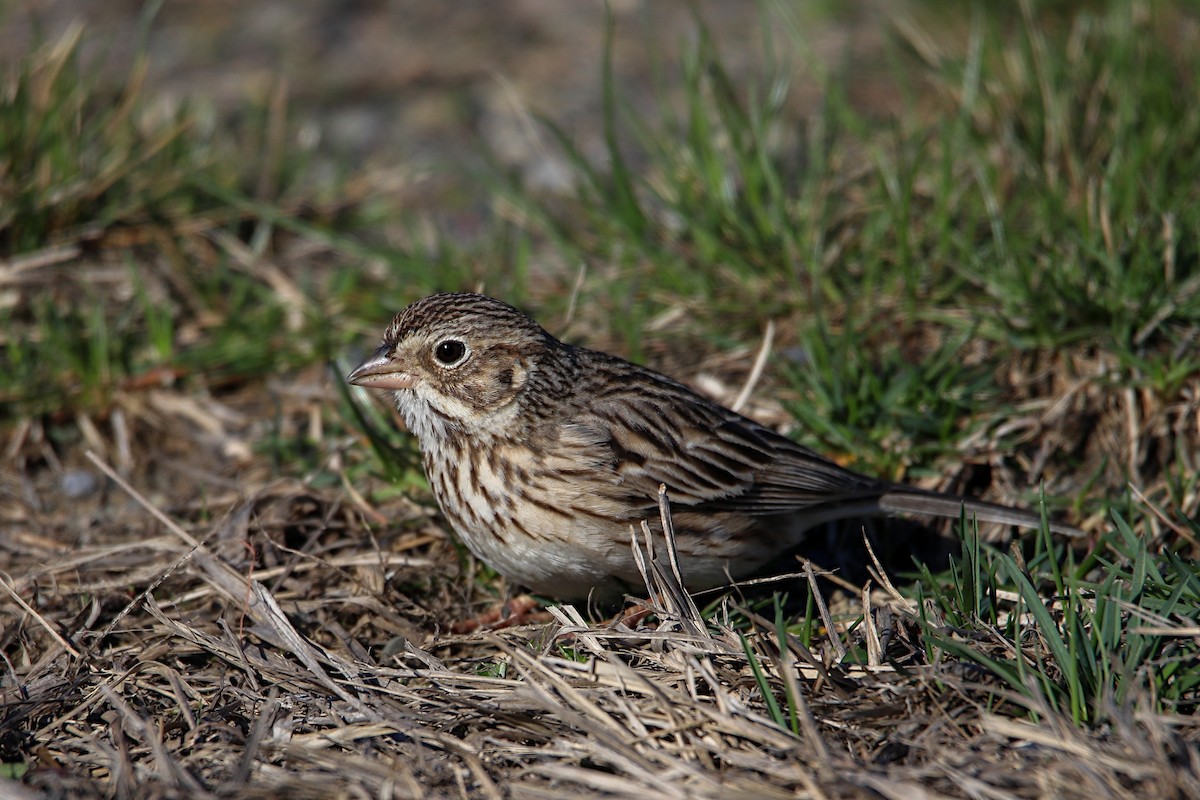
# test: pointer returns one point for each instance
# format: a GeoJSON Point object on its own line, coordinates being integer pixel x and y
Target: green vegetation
{"type": "Point", "coordinates": [1085, 640]}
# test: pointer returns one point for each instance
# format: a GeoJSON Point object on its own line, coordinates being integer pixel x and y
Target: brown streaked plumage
{"type": "Point", "coordinates": [542, 456]}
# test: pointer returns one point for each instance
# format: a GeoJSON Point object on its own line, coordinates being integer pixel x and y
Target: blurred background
{"type": "Point", "coordinates": [428, 87]}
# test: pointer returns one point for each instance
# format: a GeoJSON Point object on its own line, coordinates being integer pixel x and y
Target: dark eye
{"type": "Point", "coordinates": [450, 351]}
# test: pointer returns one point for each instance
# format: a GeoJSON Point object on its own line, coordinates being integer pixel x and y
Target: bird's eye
{"type": "Point", "coordinates": [450, 352]}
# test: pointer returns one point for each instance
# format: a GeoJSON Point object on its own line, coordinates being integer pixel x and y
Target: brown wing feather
{"type": "Point", "coordinates": [708, 457]}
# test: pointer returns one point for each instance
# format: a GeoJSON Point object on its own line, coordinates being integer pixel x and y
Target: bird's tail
{"type": "Point", "coordinates": [902, 500]}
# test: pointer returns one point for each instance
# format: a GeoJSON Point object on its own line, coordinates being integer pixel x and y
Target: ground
{"type": "Point", "coordinates": [975, 240]}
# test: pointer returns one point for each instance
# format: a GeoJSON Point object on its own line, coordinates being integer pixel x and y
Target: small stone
{"type": "Point", "coordinates": [77, 483]}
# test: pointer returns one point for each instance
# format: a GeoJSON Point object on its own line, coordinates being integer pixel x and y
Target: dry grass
{"type": "Point", "coordinates": [266, 643]}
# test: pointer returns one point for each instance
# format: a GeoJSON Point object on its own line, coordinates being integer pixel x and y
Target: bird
{"type": "Point", "coordinates": [545, 457]}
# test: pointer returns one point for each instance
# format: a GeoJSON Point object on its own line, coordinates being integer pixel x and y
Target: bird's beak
{"type": "Point", "coordinates": [380, 371]}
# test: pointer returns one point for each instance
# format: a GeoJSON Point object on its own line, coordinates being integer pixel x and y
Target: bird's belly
{"type": "Point", "coordinates": [572, 558]}
{"type": "Point", "coordinates": [561, 558]}
{"type": "Point", "coordinates": [538, 539]}
{"type": "Point", "coordinates": [557, 540]}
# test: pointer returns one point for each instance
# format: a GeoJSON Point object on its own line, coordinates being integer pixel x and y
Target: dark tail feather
{"type": "Point", "coordinates": [907, 501]}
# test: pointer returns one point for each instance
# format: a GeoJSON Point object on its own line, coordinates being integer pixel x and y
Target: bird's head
{"type": "Point", "coordinates": [456, 360]}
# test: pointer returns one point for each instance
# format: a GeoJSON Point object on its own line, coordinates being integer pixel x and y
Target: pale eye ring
{"type": "Point", "coordinates": [450, 352]}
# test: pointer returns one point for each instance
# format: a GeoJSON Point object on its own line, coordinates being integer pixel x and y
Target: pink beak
{"type": "Point", "coordinates": [381, 372]}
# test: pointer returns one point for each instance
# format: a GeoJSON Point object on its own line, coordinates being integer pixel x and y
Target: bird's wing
{"type": "Point", "coordinates": [707, 456]}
